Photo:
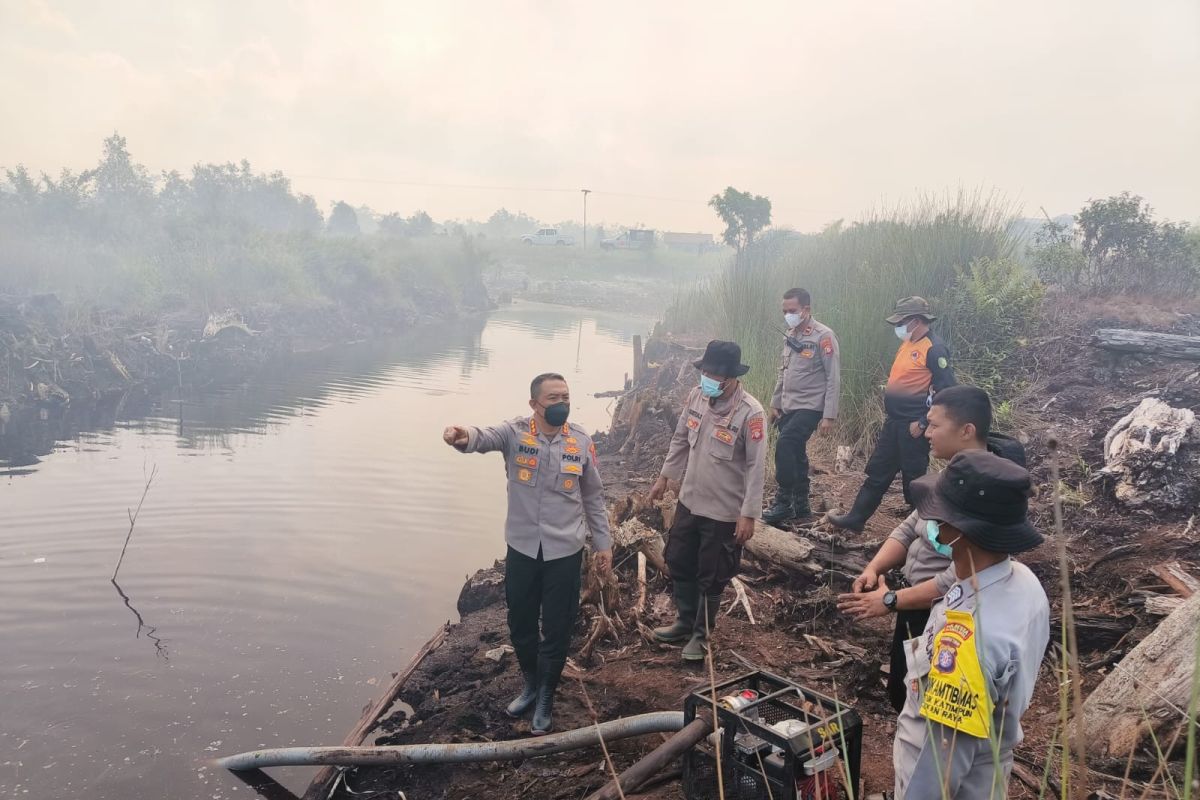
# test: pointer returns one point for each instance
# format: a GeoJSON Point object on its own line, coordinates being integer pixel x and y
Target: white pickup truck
{"type": "Point", "coordinates": [548, 236]}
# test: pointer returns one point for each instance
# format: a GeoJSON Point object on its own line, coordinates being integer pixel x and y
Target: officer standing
{"type": "Point", "coordinates": [805, 400]}
{"type": "Point", "coordinates": [921, 368]}
{"type": "Point", "coordinates": [960, 419]}
{"type": "Point", "coordinates": [555, 497]}
{"type": "Point", "coordinates": [971, 673]}
{"type": "Point", "coordinates": [719, 452]}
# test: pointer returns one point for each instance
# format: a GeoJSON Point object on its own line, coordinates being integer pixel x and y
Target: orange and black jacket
{"type": "Point", "coordinates": [921, 368]}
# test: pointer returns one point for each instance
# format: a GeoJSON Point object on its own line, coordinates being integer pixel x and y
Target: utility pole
{"type": "Point", "coordinates": [586, 192]}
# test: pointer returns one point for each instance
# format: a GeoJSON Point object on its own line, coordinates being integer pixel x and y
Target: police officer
{"type": "Point", "coordinates": [960, 419]}
{"type": "Point", "coordinates": [554, 498]}
{"type": "Point", "coordinates": [971, 673]}
{"type": "Point", "coordinates": [921, 368]}
{"type": "Point", "coordinates": [805, 400]}
{"type": "Point", "coordinates": [719, 452]}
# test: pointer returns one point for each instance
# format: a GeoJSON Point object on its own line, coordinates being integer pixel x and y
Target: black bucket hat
{"type": "Point", "coordinates": [984, 496]}
{"type": "Point", "coordinates": [722, 358]}
{"type": "Point", "coordinates": [911, 307]}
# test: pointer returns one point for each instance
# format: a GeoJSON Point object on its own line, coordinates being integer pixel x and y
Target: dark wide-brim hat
{"type": "Point", "coordinates": [911, 307]}
{"type": "Point", "coordinates": [984, 496]}
{"type": "Point", "coordinates": [722, 358]}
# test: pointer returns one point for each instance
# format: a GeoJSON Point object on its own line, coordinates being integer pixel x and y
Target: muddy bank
{"type": "Point", "coordinates": [1076, 393]}
{"type": "Point", "coordinates": [67, 368]}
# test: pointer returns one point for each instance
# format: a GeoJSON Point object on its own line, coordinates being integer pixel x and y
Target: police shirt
{"type": "Point", "coordinates": [923, 562]}
{"type": "Point", "coordinates": [719, 450]}
{"type": "Point", "coordinates": [971, 672]}
{"type": "Point", "coordinates": [810, 377]}
{"type": "Point", "coordinates": [920, 369]}
{"type": "Point", "coordinates": [553, 487]}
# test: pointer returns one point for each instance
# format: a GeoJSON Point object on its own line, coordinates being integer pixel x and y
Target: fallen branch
{"type": "Point", "coordinates": [1174, 575]}
{"type": "Point", "coordinates": [133, 515]}
{"type": "Point", "coordinates": [641, 772]}
{"type": "Point", "coordinates": [1162, 344]}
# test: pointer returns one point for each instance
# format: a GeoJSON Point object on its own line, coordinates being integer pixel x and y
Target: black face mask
{"type": "Point", "coordinates": [557, 413]}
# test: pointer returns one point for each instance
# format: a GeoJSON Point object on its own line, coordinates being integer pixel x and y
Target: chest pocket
{"type": "Point", "coordinates": [722, 444]}
{"type": "Point", "coordinates": [524, 466]}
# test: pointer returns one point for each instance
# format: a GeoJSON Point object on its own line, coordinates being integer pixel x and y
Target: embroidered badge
{"type": "Point", "coordinates": [569, 484]}
{"type": "Point", "coordinates": [943, 362]}
{"type": "Point", "coordinates": [592, 453]}
{"type": "Point", "coordinates": [574, 469]}
{"type": "Point", "coordinates": [954, 596]}
{"type": "Point", "coordinates": [724, 435]}
{"type": "Point", "coordinates": [915, 355]}
{"type": "Point", "coordinates": [808, 352]}
{"type": "Point", "coordinates": [571, 440]}
{"type": "Point", "coordinates": [693, 423]}
{"type": "Point", "coordinates": [756, 428]}
{"type": "Point", "coordinates": [572, 450]}
{"type": "Point", "coordinates": [524, 476]}
{"type": "Point", "coordinates": [827, 345]}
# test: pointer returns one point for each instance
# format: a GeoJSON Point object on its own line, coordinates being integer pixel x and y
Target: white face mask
{"type": "Point", "coordinates": [902, 332]}
{"type": "Point", "coordinates": [792, 320]}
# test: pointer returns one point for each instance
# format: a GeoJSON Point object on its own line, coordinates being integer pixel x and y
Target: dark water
{"type": "Point", "coordinates": [304, 535]}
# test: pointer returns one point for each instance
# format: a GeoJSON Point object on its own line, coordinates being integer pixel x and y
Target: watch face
{"type": "Point", "coordinates": [889, 599]}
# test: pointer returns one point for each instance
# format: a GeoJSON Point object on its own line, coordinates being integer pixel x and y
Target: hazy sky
{"type": "Point", "coordinates": [828, 107]}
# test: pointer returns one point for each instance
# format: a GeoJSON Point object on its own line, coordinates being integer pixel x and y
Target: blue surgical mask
{"type": "Point", "coordinates": [902, 332]}
{"type": "Point", "coordinates": [792, 320]}
{"type": "Point", "coordinates": [709, 387]}
{"type": "Point", "coordinates": [931, 533]}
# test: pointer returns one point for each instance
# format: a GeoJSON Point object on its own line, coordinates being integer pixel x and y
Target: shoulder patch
{"type": "Point", "coordinates": [827, 345]}
{"type": "Point", "coordinates": [755, 426]}
{"type": "Point", "coordinates": [943, 362]}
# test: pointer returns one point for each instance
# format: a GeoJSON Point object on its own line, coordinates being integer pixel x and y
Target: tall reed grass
{"type": "Point", "coordinates": [856, 273]}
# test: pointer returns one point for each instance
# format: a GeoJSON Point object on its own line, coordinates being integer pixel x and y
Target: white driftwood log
{"type": "Point", "coordinates": [1148, 689]}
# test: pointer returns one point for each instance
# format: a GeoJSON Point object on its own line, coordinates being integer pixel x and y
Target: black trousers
{"type": "Point", "coordinates": [896, 450]}
{"type": "Point", "coordinates": [702, 550]}
{"type": "Point", "coordinates": [791, 450]}
{"type": "Point", "coordinates": [908, 625]}
{"type": "Point", "coordinates": [546, 590]}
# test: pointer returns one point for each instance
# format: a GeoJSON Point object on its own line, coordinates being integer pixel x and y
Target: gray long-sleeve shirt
{"type": "Point", "coordinates": [555, 494]}
{"type": "Point", "coordinates": [810, 379]}
{"type": "Point", "coordinates": [719, 451]}
{"type": "Point", "coordinates": [1011, 630]}
{"type": "Point", "coordinates": [922, 561]}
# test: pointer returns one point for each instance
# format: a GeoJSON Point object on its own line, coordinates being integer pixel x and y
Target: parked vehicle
{"type": "Point", "coordinates": [633, 239]}
{"type": "Point", "coordinates": [548, 236]}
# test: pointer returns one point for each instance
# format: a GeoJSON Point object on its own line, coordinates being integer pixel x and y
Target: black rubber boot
{"type": "Point", "coordinates": [697, 648]}
{"type": "Point", "coordinates": [847, 522]}
{"type": "Point", "coordinates": [687, 597]}
{"type": "Point", "coordinates": [783, 509]}
{"type": "Point", "coordinates": [543, 712]}
{"type": "Point", "coordinates": [525, 700]}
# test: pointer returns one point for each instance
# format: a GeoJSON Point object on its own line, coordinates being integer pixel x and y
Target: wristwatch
{"type": "Point", "coordinates": [889, 601]}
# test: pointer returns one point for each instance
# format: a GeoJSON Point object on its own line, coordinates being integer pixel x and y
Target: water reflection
{"type": "Point", "coordinates": [306, 532]}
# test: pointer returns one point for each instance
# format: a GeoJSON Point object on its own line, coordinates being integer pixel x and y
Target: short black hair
{"type": "Point", "coordinates": [536, 385]}
{"type": "Point", "coordinates": [798, 294]}
{"type": "Point", "coordinates": [965, 404]}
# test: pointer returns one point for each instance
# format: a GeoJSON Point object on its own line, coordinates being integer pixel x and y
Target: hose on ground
{"type": "Point", "coordinates": [624, 728]}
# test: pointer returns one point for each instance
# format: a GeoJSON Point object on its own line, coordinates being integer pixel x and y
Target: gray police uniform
{"type": "Point", "coordinates": [555, 496]}
{"type": "Point", "coordinates": [719, 451]}
{"type": "Point", "coordinates": [921, 563]}
{"type": "Point", "coordinates": [807, 391]}
{"type": "Point", "coordinates": [1011, 630]}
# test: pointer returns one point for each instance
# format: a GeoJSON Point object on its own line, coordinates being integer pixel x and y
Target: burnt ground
{"type": "Point", "coordinates": [457, 694]}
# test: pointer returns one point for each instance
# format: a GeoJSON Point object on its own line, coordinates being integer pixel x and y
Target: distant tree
{"type": "Point", "coordinates": [1124, 246]}
{"type": "Point", "coordinates": [420, 224]}
{"type": "Point", "coordinates": [342, 220]}
{"type": "Point", "coordinates": [744, 215]}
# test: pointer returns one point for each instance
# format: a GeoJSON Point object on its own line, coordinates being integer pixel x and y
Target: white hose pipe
{"type": "Point", "coordinates": [624, 728]}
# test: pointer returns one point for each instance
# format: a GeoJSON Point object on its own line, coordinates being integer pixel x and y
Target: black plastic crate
{"type": "Point", "coordinates": [761, 762]}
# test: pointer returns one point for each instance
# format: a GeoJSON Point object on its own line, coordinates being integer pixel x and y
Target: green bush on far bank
{"type": "Point", "coordinates": [958, 253]}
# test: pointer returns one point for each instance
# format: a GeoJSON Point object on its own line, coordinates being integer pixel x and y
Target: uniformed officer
{"type": "Point", "coordinates": [554, 498]}
{"type": "Point", "coordinates": [960, 419]}
{"type": "Point", "coordinates": [921, 369]}
{"type": "Point", "coordinates": [719, 452]}
{"type": "Point", "coordinates": [971, 673]}
{"type": "Point", "coordinates": [805, 400]}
